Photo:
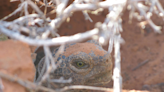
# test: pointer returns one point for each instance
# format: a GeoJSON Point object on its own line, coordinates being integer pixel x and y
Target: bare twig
{"type": "Point", "coordinates": [117, 69]}
{"type": "Point", "coordinates": [50, 42]}
{"type": "Point", "coordinates": [156, 28]}
{"type": "Point", "coordinates": [35, 87]}
{"type": "Point", "coordinates": [79, 7]}
{"type": "Point", "coordinates": [113, 22]}
{"type": "Point", "coordinates": [38, 28]}
{"type": "Point", "coordinates": [36, 8]}
{"type": "Point", "coordinates": [159, 7]}
{"type": "Point", "coordinates": [49, 66]}
{"type": "Point", "coordinates": [16, 11]}
{"type": "Point", "coordinates": [85, 87]}
{"type": "Point", "coordinates": [24, 17]}
{"type": "Point", "coordinates": [87, 16]}
{"type": "Point", "coordinates": [26, 84]}
{"type": "Point", "coordinates": [141, 64]}
{"type": "Point", "coordinates": [61, 80]}
{"type": "Point", "coordinates": [61, 6]}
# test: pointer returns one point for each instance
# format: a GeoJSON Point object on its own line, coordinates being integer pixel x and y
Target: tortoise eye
{"type": "Point", "coordinates": [80, 64]}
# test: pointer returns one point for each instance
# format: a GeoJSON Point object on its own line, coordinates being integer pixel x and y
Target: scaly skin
{"type": "Point", "coordinates": [86, 63]}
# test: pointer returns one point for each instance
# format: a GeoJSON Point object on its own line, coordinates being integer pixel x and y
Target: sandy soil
{"type": "Point", "coordinates": [140, 46]}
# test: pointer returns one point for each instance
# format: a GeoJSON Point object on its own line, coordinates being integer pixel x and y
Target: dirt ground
{"type": "Point", "coordinates": [141, 46]}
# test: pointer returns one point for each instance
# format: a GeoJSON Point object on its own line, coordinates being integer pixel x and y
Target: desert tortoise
{"type": "Point", "coordinates": [86, 63]}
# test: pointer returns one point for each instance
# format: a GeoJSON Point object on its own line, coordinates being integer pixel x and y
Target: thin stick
{"type": "Point", "coordinates": [85, 87]}
{"type": "Point", "coordinates": [151, 23]}
{"type": "Point", "coordinates": [25, 83]}
{"type": "Point", "coordinates": [141, 64]}
{"type": "Point", "coordinates": [16, 11]}
{"type": "Point", "coordinates": [117, 69]}
{"type": "Point", "coordinates": [80, 7]}
{"type": "Point", "coordinates": [49, 42]}
{"type": "Point", "coordinates": [32, 86]}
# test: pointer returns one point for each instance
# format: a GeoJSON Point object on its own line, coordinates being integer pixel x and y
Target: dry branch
{"type": "Point", "coordinates": [26, 84]}
{"type": "Point", "coordinates": [31, 86]}
{"type": "Point", "coordinates": [38, 26]}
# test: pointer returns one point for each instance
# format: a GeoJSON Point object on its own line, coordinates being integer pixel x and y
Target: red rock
{"type": "Point", "coordinates": [15, 60]}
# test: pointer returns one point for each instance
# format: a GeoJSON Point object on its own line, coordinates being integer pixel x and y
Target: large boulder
{"type": "Point", "coordinates": [15, 60]}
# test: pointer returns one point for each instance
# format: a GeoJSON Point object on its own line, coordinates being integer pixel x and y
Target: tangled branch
{"type": "Point", "coordinates": [39, 27]}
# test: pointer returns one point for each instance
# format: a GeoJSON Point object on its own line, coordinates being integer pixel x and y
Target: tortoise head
{"type": "Point", "coordinates": [86, 63]}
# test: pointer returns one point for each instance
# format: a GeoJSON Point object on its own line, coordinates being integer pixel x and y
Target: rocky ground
{"type": "Point", "coordinates": [141, 46]}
